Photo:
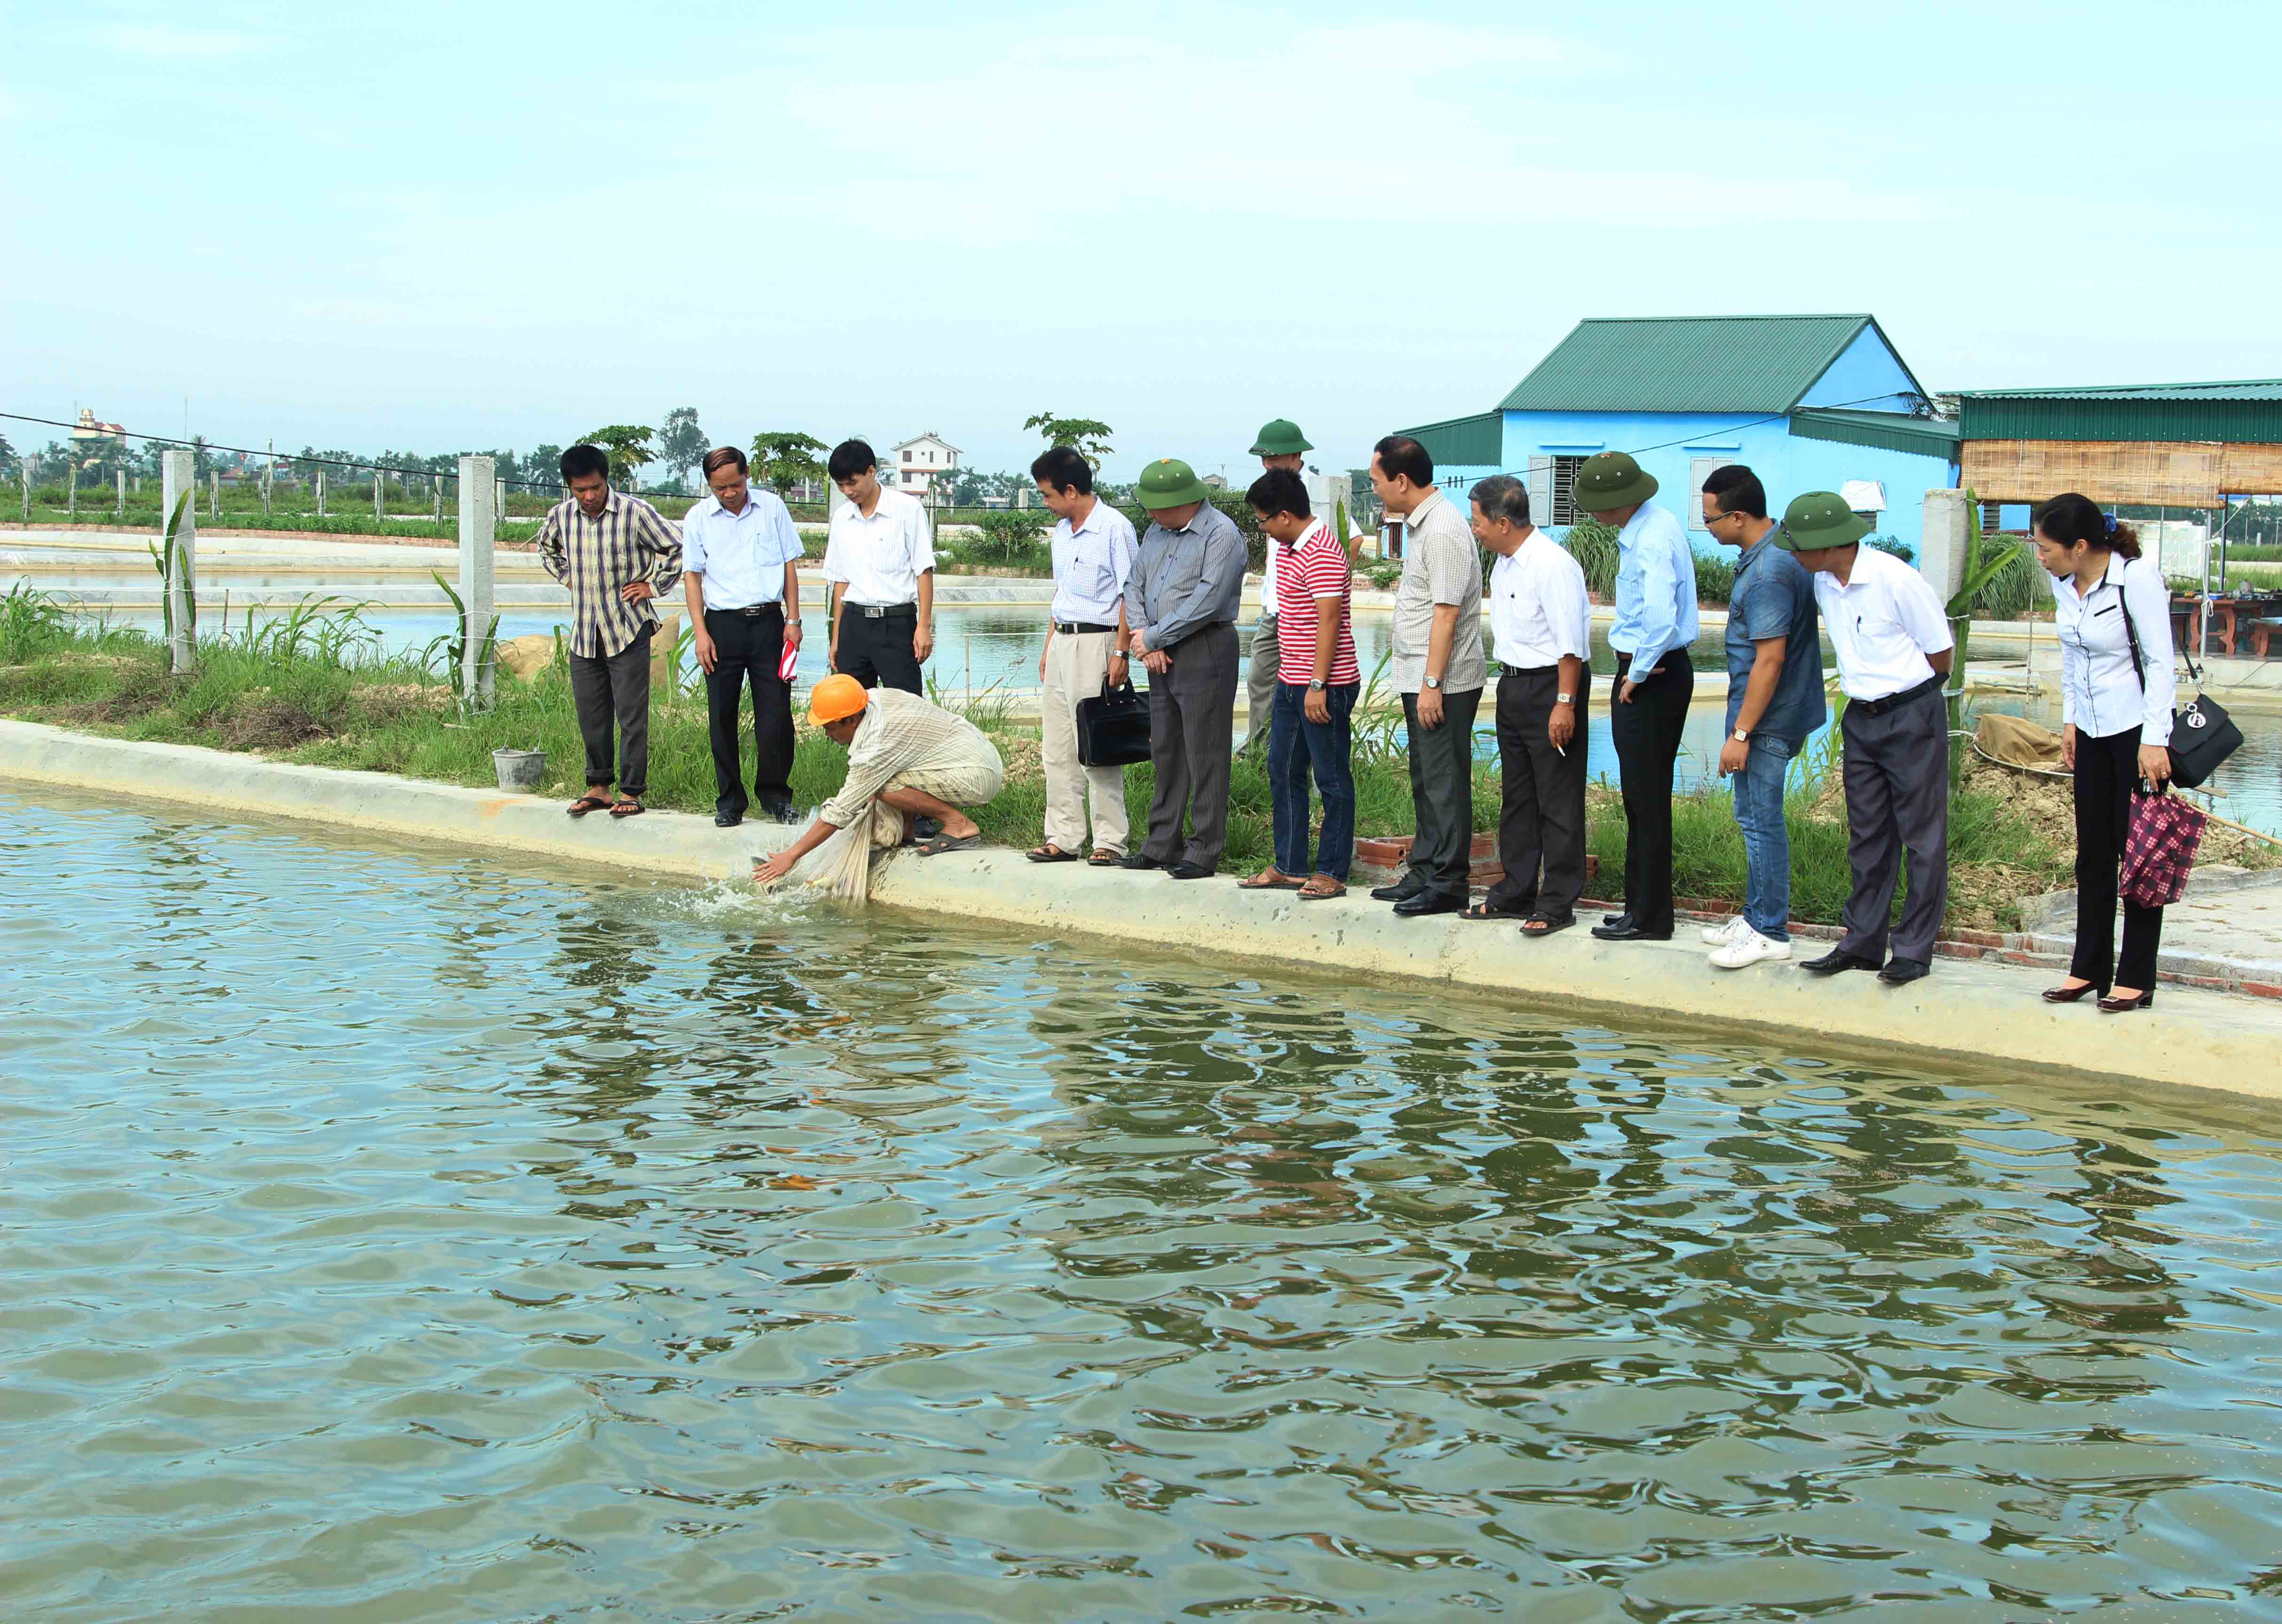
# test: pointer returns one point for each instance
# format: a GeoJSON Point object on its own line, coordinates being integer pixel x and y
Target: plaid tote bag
{"type": "Point", "coordinates": [2160, 848]}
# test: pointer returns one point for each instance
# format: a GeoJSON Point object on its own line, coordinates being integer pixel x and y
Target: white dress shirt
{"type": "Point", "coordinates": [1091, 565]}
{"type": "Point", "coordinates": [2100, 692]}
{"type": "Point", "coordinates": [1539, 612]}
{"type": "Point", "coordinates": [742, 555]}
{"type": "Point", "coordinates": [882, 558]}
{"type": "Point", "coordinates": [1882, 624]}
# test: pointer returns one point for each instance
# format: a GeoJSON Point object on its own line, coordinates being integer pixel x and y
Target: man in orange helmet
{"type": "Point", "coordinates": [902, 752]}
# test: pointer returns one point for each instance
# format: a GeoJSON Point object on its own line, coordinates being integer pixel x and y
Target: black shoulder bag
{"type": "Point", "coordinates": [2202, 734]}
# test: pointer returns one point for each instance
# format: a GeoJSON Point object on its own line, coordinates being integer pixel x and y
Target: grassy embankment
{"type": "Point", "coordinates": [311, 687]}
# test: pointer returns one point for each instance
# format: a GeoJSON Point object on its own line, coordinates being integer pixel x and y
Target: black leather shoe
{"type": "Point", "coordinates": [1614, 919]}
{"type": "Point", "coordinates": [2071, 995]}
{"type": "Point", "coordinates": [1186, 870]}
{"type": "Point", "coordinates": [1626, 930]}
{"type": "Point", "coordinates": [2116, 1006]}
{"type": "Point", "coordinates": [1837, 960]}
{"type": "Point", "coordinates": [1401, 890]}
{"type": "Point", "coordinates": [784, 812]}
{"type": "Point", "coordinates": [926, 827]}
{"type": "Point", "coordinates": [1901, 972]}
{"type": "Point", "coordinates": [1428, 902]}
{"type": "Point", "coordinates": [725, 821]}
{"type": "Point", "coordinates": [1138, 859]}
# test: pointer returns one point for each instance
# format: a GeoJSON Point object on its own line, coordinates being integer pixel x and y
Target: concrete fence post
{"type": "Point", "coordinates": [71, 485]}
{"type": "Point", "coordinates": [439, 498]}
{"type": "Point", "coordinates": [180, 480]}
{"type": "Point", "coordinates": [379, 495]}
{"type": "Point", "coordinates": [320, 483]}
{"type": "Point", "coordinates": [24, 467]}
{"type": "Point", "coordinates": [499, 500]}
{"type": "Point", "coordinates": [123, 492]}
{"type": "Point", "coordinates": [1941, 545]}
{"type": "Point", "coordinates": [268, 478]}
{"type": "Point", "coordinates": [213, 492]}
{"type": "Point", "coordinates": [478, 534]}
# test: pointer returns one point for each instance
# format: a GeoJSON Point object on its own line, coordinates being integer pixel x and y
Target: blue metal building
{"type": "Point", "coordinates": [1811, 402]}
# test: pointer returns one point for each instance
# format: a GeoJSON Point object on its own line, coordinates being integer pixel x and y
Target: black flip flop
{"type": "Point", "coordinates": [1481, 911]}
{"type": "Point", "coordinates": [1550, 925]}
{"type": "Point", "coordinates": [1051, 854]}
{"type": "Point", "coordinates": [628, 808]}
{"type": "Point", "coordinates": [588, 803]}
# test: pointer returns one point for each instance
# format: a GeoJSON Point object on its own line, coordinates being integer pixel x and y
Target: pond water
{"type": "Point", "coordinates": [393, 1235]}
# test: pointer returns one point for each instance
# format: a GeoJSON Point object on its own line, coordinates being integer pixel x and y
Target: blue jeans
{"type": "Point", "coordinates": [1294, 745]}
{"type": "Point", "coordinates": [1766, 841]}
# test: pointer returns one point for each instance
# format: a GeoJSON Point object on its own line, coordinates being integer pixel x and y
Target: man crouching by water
{"type": "Point", "coordinates": [902, 752]}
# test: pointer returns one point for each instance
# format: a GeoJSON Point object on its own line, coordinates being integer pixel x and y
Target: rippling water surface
{"type": "Point", "coordinates": [393, 1235]}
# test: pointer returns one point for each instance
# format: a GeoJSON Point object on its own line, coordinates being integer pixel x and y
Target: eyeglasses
{"type": "Point", "coordinates": [1711, 519]}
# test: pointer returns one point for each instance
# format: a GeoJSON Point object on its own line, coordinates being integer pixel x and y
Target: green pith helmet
{"type": "Point", "coordinates": [1817, 520]}
{"type": "Point", "coordinates": [1612, 479]}
{"type": "Point", "coordinates": [1170, 483]}
{"type": "Point", "coordinates": [1280, 438]}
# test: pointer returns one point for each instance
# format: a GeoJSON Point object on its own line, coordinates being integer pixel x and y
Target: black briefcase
{"type": "Point", "coordinates": [1113, 727]}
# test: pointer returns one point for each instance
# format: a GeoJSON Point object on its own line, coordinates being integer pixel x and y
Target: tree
{"type": "Point", "coordinates": [1088, 437]}
{"type": "Point", "coordinates": [628, 447]}
{"type": "Point", "coordinates": [681, 443]}
{"type": "Point", "coordinates": [543, 465]}
{"type": "Point", "coordinates": [785, 457]}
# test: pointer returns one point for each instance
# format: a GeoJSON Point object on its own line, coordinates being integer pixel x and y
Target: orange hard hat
{"type": "Point", "coordinates": [835, 699]}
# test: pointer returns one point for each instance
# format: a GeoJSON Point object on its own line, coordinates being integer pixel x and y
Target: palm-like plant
{"type": "Point", "coordinates": [1984, 559]}
{"type": "Point", "coordinates": [628, 447]}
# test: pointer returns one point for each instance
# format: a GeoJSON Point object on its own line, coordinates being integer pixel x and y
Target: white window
{"type": "Point", "coordinates": [1563, 507]}
{"type": "Point", "coordinates": [1699, 470]}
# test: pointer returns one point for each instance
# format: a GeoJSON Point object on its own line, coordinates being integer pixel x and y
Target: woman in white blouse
{"type": "Point", "coordinates": [2114, 616]}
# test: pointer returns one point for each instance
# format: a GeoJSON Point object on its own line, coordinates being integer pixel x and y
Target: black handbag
{"type": "Point", "coordinates": [1113, 727]}
{"type": "Point", "coordinates": [2203, 735]}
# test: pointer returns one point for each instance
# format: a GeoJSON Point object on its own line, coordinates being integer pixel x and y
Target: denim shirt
{"type": "Point", "coordinates": [1774, 596]}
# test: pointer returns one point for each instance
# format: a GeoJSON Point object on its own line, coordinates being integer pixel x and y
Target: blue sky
{"type": "Point", "coordinates": [452, 227]}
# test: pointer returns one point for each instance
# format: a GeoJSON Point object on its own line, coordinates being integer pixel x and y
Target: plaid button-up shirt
{"type": "Point", "coordinates": [632, 541]}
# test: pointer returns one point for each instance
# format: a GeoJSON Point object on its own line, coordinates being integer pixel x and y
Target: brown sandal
{"type": "Point", "coordinates": [1050, 853]}
{"type": "Point", "coordinates": [588, 803]}
{"type": "Point", "coordinates": [1323, 888]}
{"type": "Point", "coordinates": [1104, 858]}
{"type": "Point", "coordinates": [1262, 882]}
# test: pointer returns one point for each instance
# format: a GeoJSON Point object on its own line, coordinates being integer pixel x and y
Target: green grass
{"type": "Point", "coordinates": [312, 686]}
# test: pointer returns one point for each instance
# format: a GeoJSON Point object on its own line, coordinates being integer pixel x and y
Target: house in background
{"type": "Point", "coordinates": [915, 465]}
{"type": "Point", "coordinates": [1811, 402]}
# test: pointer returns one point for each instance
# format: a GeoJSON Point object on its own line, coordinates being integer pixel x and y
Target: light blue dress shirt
{"type": "Point", "coordinates": [742, 555]}
{"type": "Point", "coordinates": [1656, 588]}
{"type": "Point", "coordinates": [1091, 566]}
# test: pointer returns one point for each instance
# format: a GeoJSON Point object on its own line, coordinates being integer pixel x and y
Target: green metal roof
{"type": "Point", "coordinates": [1477, 441]}
{"type": "Point", "coordinates": [2243, 411]}
{"type": "Point", "coordinates": [1886, 430]}
{"type": "Point", "coordinates": [1713, 363]}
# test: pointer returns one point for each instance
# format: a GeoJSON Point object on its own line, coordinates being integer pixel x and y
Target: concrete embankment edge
{"type": "Point", "coordinates": [1982, 1014]}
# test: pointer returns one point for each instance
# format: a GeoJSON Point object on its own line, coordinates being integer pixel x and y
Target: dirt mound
{"type": "Point", "coordinates": [270, 724]}
{"type": "Point", "coordinates": [379, 704]}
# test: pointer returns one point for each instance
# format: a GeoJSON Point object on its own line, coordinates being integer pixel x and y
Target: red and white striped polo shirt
{"type": "Point", "coordinates": [1317, 568]}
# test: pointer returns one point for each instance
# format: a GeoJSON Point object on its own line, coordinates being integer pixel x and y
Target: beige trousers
{"type": "Point", "coordinates": [1075, 664]}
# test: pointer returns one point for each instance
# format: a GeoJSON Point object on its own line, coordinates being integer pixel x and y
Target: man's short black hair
{"type": "Point", "coordinates": [581, 461]}
{"type": "Point", "coordinates": [1738, 490]}
{"type": "Point", "coordinates": [1401, 457]}
{"type": "Point", "coordinates": [1501, 496]}
{"type": "Point", "coordinates": [725, 456]}
{"type": "Point", "coordinates": [1279, 490]}
{"type": "Point", "coordinates": [850, 458]}
{"type": "Point", "coordinates": [1063, 469]}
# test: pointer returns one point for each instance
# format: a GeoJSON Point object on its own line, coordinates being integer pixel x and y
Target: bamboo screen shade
{"type": "Point", "coordinates": [2152, 473]}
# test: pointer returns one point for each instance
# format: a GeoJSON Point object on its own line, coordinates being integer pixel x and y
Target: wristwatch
{"type": "Point", "coordinates": [1564, 699]}
{"type": "Point", "coordinates": [1316, 685]}
{"type": "Point", "coordinates": [1434, 682]}
{"type": "Point", "coordinates": [1741, 735]}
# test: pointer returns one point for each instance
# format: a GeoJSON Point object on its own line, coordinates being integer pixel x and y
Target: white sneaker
{"type": "Point", "coordinates": [1721, 934]}
{"type": "Point", "coordinates": [1749, 947]}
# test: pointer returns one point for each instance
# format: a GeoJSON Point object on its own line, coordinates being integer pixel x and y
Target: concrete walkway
{"type": "Point", "coordinates": [1979, 1011]}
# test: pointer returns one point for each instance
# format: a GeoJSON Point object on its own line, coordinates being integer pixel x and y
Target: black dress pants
{"type": "Point", "coordinates": [1646, 733]}
{"type": "Point", "coordinates": [615, 688]}
{"type": "Point", "coordinates": [1542, 823]}
{"type": "Point", "coordinates": [746, 650]}
{"type": "Point", "coordinates": [2105, 770]}
{"type": "Point", "coordinates": [878, 649]}
{"type": "Point", "coordinates": [1442, 795]}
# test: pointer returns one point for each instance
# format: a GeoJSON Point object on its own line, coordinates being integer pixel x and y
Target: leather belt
{"type": "Point", "coordinates": [1879, 707]}
{"type": "Point", "coordinates": [1527, 670]}
{"type": "Point", "coordinates": [883, 611]}
{"type": "Point", "coordinates": [752, 611]}
{"type": "Point", "coordinates": [1072, 628]}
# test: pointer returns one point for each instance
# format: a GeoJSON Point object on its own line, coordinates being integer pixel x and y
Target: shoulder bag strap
{"type": "Point", "coordinates": [2130, 632]}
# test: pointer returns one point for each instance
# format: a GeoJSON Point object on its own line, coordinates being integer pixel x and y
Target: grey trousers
{"type": "Point", "coordinates": [1259, 684]}
{"type": "Point", "coordinates": [1192, 726]}
{"type": "Point", "coordinates": [615, 688]}
{"type": "Point", "coordinates": [1897, 777]}
{"type": "Point", "coordinates": [1442, 795]}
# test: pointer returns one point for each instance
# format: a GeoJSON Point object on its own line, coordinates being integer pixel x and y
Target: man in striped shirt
{"type": "Point", "coordinates": [615, 553]}
{"type": "Point", "coordinates": [1316, 682]}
